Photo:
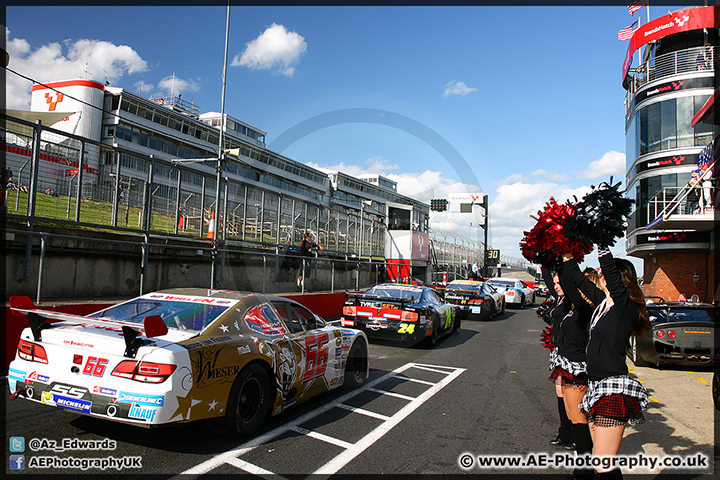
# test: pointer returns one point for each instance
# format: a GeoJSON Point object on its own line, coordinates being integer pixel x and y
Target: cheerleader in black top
{"type": "Point", "coordinates": [571, 369]}
{"type": "Point", "coordinates": [613, 398]}
{"type": "Point", "coordinates": [558, 310]}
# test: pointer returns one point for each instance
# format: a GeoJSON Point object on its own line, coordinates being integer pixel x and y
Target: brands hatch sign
{"type": "Point", "coordinates": [682, 21]}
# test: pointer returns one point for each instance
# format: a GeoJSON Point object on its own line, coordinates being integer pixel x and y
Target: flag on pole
{"type": "Point", "coordinates": [627, 32]}
{"type": "Point", "coordinates": [636, 5]}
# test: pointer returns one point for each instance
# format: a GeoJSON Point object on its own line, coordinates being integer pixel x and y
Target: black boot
{"type": "Point", "coordinates": [583, 446]}
{"type": "Point", "coordinates": [564, 437]}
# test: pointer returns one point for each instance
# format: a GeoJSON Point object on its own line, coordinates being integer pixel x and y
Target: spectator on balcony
{"type": "Point", "coordinates": [704, 59]}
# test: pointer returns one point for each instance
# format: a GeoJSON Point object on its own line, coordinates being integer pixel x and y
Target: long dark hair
{"type": "Point", "coordinates": [629, 278]}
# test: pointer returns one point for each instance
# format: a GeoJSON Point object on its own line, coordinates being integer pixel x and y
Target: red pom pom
{"type": "Point", "coordinates": [547, 234]}
{"type": "Point", "coordinates": [546, 338]}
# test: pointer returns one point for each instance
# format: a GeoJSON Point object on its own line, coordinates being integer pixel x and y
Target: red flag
{"type": "Point", "coordinates": [636, 5]}
{"type": "Point", "coordinates": [627, 32]}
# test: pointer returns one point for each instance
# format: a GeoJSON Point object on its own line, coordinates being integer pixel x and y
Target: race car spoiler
{"type": "Point", "coordinates": [379, 298]}
{"type": "Point", "coordinates": [454, 290]}
{"type": "Point", "coordinates": [152, 326]}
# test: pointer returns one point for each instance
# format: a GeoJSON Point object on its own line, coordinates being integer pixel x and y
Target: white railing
{"type": "Point", "coordinates": [688, 200]}
{"type": "Point", "coordinates": [697, 59]}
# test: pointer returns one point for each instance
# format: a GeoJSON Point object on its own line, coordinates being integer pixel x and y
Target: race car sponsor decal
{"type": "Point", "coordinates": [68, 391]}
{"type": "Point", "coordinates": [316, 353]}
{"type": "Point", "coordinates": [191, 299]}
{"type": "Point", "coordinates": [448, 318]}
{"type": "Point", "coordinates": [73, 343]}
{"type": "Point", "coordinates": [105, 391]}
{"type": "Point", "coordinates": [35, 377]}
{"type": "Point", "coordinates": [141, 413]}
{"type": "Point", "coordinates": [48, 399]}
{"type": "Point", "coordinates": [141, 399]}
{"type": "Point", "coordinates": [408, 328]}
{"type": "Point", "coordinates": [208, 371]}
{"type": "Point", "coordinates": [263, 319]}
{"type": "Point", "coordinates": [242, 349]}
{"type": "Point", "coordinates": [18, 375]}
{"type": "Point", "coordinates": [72, 403]}
{"type": "Point", "coordinates": [12, 384]}
{"type": "Point", "coordinates": [95, 366]}
{"type": "Point", "coordinates": [285, 406]}
{"type": "Point", "coordinates": [285, 367]}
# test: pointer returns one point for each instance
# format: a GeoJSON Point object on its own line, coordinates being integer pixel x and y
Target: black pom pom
{"type": "Point", "coordinates": [600, 216]}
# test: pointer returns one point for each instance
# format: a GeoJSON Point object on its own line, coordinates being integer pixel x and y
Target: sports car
{"type": "Point", "coordinates": [517, 293]}
{"type": "Point", "coordinates": [682, 334]}
{"type": "Point", "coordinates": [475, 298]}
{"type": "Point", "coordinates": [400, 312]}
{"type": "Point", "coordinates": [181, 355]}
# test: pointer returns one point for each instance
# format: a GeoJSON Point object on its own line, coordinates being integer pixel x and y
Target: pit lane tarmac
{"type": "Point", "coordinates": [334, 434]}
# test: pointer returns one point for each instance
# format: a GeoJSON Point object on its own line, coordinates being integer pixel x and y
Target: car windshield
{"type": "Point", "coordinates": [413, 293]}
{"type": "Point", "coordinates": [672, 315]}
{"type": "Point", "coordinates": [181, 315]}
{"type": "Point", "coordinates": [475, 287]}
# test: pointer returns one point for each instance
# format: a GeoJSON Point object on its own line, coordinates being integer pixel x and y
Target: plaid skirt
{"type": "Point", "coordinates": [614, 401]}
{"type": "Point", "coordinates": [569, 373]}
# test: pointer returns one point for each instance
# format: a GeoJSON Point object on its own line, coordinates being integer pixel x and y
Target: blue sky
{"type": "Point", "coordinates": [529, 97]}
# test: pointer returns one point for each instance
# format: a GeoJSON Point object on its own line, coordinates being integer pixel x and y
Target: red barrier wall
{"type": "Point", "coordinates": [327, 305]}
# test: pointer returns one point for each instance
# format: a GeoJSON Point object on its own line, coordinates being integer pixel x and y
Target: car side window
{"type": "Point", "coordinates": [289, 317]}
{"type": "Point", "coordinates": [307, 318]}
{"type": "Point", "coordinates": [432, 298]}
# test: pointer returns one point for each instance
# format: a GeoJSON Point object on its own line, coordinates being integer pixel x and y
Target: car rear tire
{"type": "Point", "coordinates": [433, 338]}
{"type": "Point", "coordinates": [522, 302]}
{"type": "Point", "coordinates": [248, 404]}
{"type": "Point", "coordinates": [356, 365]}
{"type": "Point", "coordinates": [456, 323]}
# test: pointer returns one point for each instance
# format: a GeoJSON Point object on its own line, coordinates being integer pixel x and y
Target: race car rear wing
{"type": "Point", "coordinates": [362, 296]}
{"type": "Point", "coordinates": [152, 326]}
{"type": "Point", "coordinates": [454, 290]}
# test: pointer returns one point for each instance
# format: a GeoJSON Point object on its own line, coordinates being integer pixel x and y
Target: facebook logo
{"type": "Point", "coordinates": [17, 462]}
{"type": "Point", "coordinates": [17, 444]}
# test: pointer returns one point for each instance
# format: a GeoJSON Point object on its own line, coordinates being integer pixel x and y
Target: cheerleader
{"type": "Point", "coordinates": [613, 398]}
{"type": "Point", "coordinates": [571, 362]}
{"type": "Point", "coordinates": [558, 310]}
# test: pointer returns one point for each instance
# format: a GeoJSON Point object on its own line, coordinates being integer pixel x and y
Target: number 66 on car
{"type": "Point", "coordinates": [183, 355]}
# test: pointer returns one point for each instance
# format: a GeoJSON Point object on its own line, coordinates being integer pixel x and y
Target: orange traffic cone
{"type": "Point", "coordinates": [211, 226]}
{"type": "Point", "coordinates": [444, 277]}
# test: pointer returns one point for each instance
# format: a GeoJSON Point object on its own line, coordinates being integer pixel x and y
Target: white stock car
{"type": "Point", "coordinates": [182, 355]}
{"type": "Point", "coordinates": [516, 291]}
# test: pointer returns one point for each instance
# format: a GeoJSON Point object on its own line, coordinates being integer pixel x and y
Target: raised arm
{"type": "Point", "coordinates": [572, 275]}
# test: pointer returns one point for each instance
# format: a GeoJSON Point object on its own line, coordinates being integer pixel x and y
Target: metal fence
{"type": "Point", "coordinates": [83, 182]}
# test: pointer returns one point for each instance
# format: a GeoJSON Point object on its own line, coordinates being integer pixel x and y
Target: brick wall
{"type": "Point", "coordinates": [670, 274]}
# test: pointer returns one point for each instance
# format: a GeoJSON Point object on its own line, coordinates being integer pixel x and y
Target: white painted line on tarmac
{"type": "Point", "coordinates": [254, 469]}
{"type": "Point", "coordinates": [362, 411]}
{"type": "Point", "coordinates": [322, 437]}
{"type": "Point", "coordinates": [351, 450]}
{"type": "Point", "coordinates": [392, 394]}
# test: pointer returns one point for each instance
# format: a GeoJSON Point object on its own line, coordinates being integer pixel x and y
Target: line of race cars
{"type": "Point", "coordinates": [231, 359]}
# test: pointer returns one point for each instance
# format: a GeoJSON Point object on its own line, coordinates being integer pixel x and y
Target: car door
{"type": "Point", "coordinates": [323, 351]}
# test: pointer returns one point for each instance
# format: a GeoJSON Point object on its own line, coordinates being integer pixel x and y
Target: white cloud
{"type": "Point", "coordinates": [612, 163]}
{"type": "Point", "coordinates": [178, 86]}
{"type": "Point", "coordinates": [275, 49]}
{"type": "Point", "coordinates": [543, 174]}
{"type": "Point", "coordinates": [72, 59]}
{"type": "Point", "coordinates": [454, 87]}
